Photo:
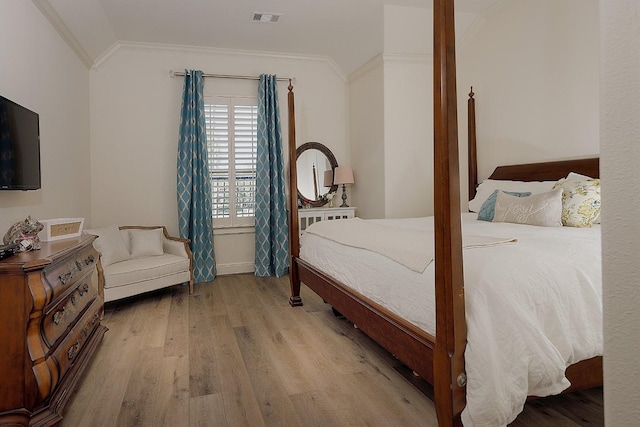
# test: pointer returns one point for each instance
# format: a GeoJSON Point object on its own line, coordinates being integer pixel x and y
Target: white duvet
{"type": "Point", "coordinates": [533, 307]}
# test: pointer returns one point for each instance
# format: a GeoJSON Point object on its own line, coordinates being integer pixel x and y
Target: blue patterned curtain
{"type": "Point", "coordinates": [272, 229]}
{"type": "Point", "coordinates": [194, 188]}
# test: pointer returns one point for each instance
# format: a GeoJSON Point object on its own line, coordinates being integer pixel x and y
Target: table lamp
{"type": "Point", "coordinates": [343, 175]}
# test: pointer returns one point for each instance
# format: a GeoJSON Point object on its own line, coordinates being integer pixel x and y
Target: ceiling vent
{"type": "Point", "coordinates": [266, 17]}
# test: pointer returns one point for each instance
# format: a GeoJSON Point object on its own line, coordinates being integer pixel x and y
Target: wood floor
{"type": "Point", "coordinates": [236, 354]}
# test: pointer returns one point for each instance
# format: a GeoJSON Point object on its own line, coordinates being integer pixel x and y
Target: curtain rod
{"type": "Point", "coordinates": [230, 76]}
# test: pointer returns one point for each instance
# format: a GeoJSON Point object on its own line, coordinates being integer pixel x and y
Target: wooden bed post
{"type": "Point", "coordinates": [451, 334]}
{"type": "Point", "coordinates": [472, 149]}
{"type": "Point", "coordinates": [294, 235]}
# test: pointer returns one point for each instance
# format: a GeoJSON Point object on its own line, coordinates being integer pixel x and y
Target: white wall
{"type": "Point", "coordinates": [408, 136]}
{"type": "Point", "coordinates": [391, 121]}
{"type": "Point", "coordinates": [408, 111]}
{"type": "Point", "coordinates": [135, 113]}
{"type": "Point", "coordinates": [40, 72]}
{"type": "Point", "coordinates": [534, 68]}
{"type": "Point", "coordinates": [620, 141]}
{"type": "Point", "coordinates": [366, 139]}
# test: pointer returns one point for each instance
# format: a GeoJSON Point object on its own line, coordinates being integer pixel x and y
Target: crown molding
{"type": "Point", "coordinates": [418, 58]}
{"type": "Point", "coordinates": [373, 64]}
{"type": "Point", "coordinates": [493, 8]}
{"type": "Point", "coordinates": [186, 49]}
{"type": "Point", "coordinates": [107, 54]}
{"type": "Point", "coordinates": [383, 58]}
{"type": "Point", "coordinates": [61, 28]}
{"type": "Point", "coordinates": [479, 21]}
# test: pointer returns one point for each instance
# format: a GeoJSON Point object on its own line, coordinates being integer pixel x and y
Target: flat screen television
{"type": "Point", "coordinates": [19, 147]}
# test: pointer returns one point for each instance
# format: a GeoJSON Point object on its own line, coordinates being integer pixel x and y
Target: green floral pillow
{"type": "Point", "coordinates": [580, 201]}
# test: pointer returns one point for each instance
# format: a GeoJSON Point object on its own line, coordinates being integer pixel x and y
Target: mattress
{"type": "Point", "coordinates": [533, 307]}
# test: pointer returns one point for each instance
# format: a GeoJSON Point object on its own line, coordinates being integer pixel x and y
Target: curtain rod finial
{"type": "Point", "coordinates": [172, 73]}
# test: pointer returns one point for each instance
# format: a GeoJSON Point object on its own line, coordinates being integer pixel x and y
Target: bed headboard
{"type": "Point", "coordinates": [548, 171]}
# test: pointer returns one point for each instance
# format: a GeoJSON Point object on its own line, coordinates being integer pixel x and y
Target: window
{"type": "Point", "coordinates": [231, 125]}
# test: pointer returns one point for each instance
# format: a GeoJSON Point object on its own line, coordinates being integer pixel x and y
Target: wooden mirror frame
{"type": "Point", "coordinates": [332, 161]}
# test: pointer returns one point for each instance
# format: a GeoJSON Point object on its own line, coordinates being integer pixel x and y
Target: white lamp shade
{"type": "Point", "coordinates": [343, 175]}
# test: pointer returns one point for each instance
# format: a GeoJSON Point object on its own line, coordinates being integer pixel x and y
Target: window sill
{"type": "Point", "coordinates": [242, 229]}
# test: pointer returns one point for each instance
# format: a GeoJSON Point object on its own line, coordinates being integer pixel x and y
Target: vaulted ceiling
{"type": "Point", "coordinates": [350, 32]}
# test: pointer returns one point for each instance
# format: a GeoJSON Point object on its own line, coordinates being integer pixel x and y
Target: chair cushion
{"type": "Point", "coordinates": [140, 269]}
{"type": "Point", "coordinates": [110, 244]}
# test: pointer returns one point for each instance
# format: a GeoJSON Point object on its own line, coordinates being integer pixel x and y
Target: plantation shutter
{"type": "Point", "coordinates": [245, 123]}
{"type": "Point", "coordinates": [217, 126]}
{"type": "Point", "coordinates": [231, 126]}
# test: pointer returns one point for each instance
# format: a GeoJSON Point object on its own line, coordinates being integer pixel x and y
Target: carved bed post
{"type": "Point", "coordinates": [449, 375]}
{"type": "Point", "coordinates": [472, 149]}
{"type": "Point", "coordinates": [294, 234]}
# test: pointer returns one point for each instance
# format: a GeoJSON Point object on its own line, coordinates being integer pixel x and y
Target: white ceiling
{"type": "Point", "coordinates": [348, 31]}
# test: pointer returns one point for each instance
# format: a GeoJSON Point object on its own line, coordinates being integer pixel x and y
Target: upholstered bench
{"type": "Point", "coordinates": [138, 259]}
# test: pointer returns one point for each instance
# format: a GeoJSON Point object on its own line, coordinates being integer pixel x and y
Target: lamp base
{"type": "Point", "coordinates": [344, 197]}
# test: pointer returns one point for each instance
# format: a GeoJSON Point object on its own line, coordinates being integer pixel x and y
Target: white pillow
{"type": "Point", "coordinates": [579, 176]}
{"type": "Point", "coordinates": [110, 244]}
{"type": "Point", "coordinates": [488, 186]}
{"type": "Point", "coordinates": [543, 209]}
{"type": "Point", "coordinates": [127, 240]}
{"type": "Point", "coordinates": [146, 242]}
{"type": "Point", "coordinates": [576, 175]}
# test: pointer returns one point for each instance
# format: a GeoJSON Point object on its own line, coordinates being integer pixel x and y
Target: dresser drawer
{"type": "Point", "coordinates": [72, 345]}
{"type": "Point", "coordinates": [64, 314]}
{"type": "Point", "coordinates": [64, 274]}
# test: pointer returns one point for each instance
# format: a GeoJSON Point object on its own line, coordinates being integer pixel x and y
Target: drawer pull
{"type": "Point", "coordinates": [83, 289]}
{"type": "Point", "coordinates": [73, 350]}
{"type": "Point", "coordinates": [58, 316]}
{"type": "Point", "coordinates": [96, 318]}
{"type": "Point", "coordinates": [76, 266]}
{"type": "Point", "coordinates": [88, 327]}
{"type": "Point", "coordinates": [64, 278]}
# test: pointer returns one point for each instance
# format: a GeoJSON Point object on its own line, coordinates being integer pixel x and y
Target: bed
{"type": "Point", "coordinates": [512, 303]}
{"type": "Point", "coordinates": [439, 358]}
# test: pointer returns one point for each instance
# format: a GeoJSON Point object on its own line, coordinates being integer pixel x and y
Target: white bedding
{"type": "Point", "coordinates": [533, 307]}
{"type": "Point", "coordinates": [411, 247]}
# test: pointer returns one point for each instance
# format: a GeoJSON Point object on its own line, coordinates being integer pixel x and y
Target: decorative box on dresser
{"type": "Point", "coordinates": [308, 216]}
{"type": "Point", "coordinates": [50, 327]}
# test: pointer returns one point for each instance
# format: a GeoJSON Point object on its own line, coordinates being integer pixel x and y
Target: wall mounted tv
{"type": "Point", "coordinates": [19, 147]}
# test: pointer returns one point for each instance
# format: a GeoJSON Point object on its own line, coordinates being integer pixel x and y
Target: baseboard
{"type": "Point", "coordinates": [235, 268]}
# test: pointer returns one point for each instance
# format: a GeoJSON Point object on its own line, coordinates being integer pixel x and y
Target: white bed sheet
{"type": "Point", "coordinates": [533, 307]}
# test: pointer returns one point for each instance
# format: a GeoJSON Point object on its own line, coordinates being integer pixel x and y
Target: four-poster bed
{"type": "Point", "coordinates": [439, 358]}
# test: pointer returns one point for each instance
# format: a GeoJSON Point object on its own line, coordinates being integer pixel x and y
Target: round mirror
{"type": "Point", "coordinates": [313, 160]}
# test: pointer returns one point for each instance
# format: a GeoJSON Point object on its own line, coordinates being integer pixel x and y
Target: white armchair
{"type": "Point", "coordinates": [138, 259]}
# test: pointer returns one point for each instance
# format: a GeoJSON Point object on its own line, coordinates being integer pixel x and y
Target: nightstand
{"type": "Point", "coordinates": [308, 216]}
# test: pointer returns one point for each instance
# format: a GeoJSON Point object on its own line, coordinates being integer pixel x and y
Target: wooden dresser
{"type": "Point", "coordinates": [50, 327]}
